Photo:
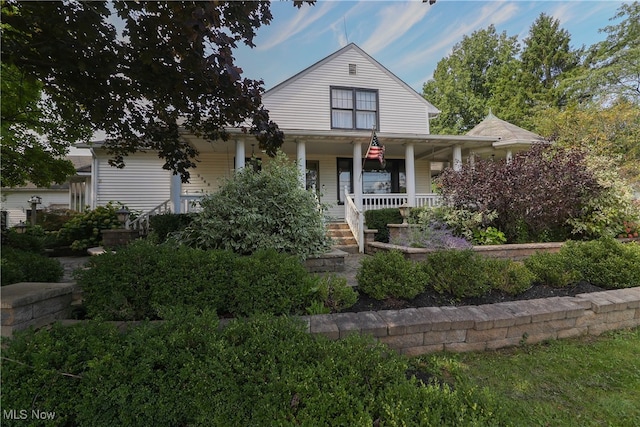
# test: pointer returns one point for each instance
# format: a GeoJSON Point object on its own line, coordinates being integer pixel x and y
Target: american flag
{"type": "Point", "coordinates": [376, 151]}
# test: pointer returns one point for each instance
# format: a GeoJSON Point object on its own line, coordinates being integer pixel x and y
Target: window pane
{"type": "Point", "coordinates": [366, 101]}
{"type": "Point", "coordinates": [342, 119]}
{"type": "Point", "coordinates": [341, 98]}
{"type": "Point", "coordinates": [376, 182]}
{"type": "Point", "coordinates": [365, 119]}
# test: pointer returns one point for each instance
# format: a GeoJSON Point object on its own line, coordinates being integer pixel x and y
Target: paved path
{"type": "Point", "coordinates": [71, 263]}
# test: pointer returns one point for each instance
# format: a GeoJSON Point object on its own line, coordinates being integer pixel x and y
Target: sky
{"type": "Point", "coordinates": [407, 37]}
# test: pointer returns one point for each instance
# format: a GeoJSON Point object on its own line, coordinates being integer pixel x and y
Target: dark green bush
{"type": "Point", "coordinates": [334, 293]}
{"type": "Point", "coordinates": [378, 220]}
{"type": "Point", "coordinates": [459, 273]}
{"type": "Point", "coordinates": [142, 279]}
{"type": "Point", "coordinates": [508, 276]}
{"type": "Point", "coordinates": [389, 274]}
{"type": "Point", "coordinates": [163, 225]}
{"type": "Point", "coordinates": [552, 269]}
{"type": "Point", "coordinates": [262, 372]}
{"type": "Point", "coordinates": [32, 240]}
{"type": "Point", "coordinates": [24, 266]}
{"type": "Point", "coordinates": [605, 262]}
{"type": "Point", "coordinates": [269, 282]}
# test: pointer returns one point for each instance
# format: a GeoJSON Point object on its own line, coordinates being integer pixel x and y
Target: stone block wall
{"type": "Point", "coordinates": [332, 261]}
{"type": "Point", "coordinates": [34, 304]}
{"type": "Point", "coordinates": [416, 331]}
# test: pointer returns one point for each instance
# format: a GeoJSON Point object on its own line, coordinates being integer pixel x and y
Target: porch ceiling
{"type": "Point", "coordinates": [339, 143]}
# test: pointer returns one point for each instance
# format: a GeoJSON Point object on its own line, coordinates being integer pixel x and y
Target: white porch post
{"type": "Point", "coordinates": [239, 154]}
{"type": "Point", "coordinates": [301, 158]}
{"type": "Point", "coordinates": [410, 174]}
{"type": "Point", "coordinates": [457, 158]}
{"type": "Point", "coordinates": [357, 174]}
{"type": "Point", "coordinates": [174, 193]}
{"type": "Point", "coordinates": [509, 156]}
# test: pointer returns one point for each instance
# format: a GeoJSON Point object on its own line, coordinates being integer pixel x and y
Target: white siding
{"type": "Point", "coordinates": [304, 102]}
{"type": "Point", "coordinates": [16, 204]}
{"type": "Point", "coordinates": [141, 185]}
{"type": "Point", "coordinates": [423, 176]}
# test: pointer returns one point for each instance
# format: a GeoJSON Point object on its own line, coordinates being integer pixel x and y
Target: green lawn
{"type": "Point", "coordinates": [581, 382]}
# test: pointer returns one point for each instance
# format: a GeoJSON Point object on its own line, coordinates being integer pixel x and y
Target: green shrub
{"type": "Point", "coordinates": [163, 225]}
{"type": "Point", "coordinates": [552, 269]}
{"type": "Point", "coordinates": [185, 371]}
{"type": "Point", "coordinates": [84, 231]}
{"type": "Point", "coordinates": [378, 220]}
{"type": "Point", "coordinates": [605, 262]}
{"type": "Point", "coordinates": [390, 275]}
{"type": "Point", "coordinates": [489, 236]}
{"type": "Point", "coordinates": [32, 240]}
{"type": "Point", "coordinates": [268, 282]}
{"type": "Point", "coordinates": [508, 276]}
{"type": "Point", "coordinates": [334, 294]}
{"type": "Point", "coordinates": [24, 266]}
{"type": "Point", "coordinates": [264, 209]}
{"type": "Point", "coordinates": [459, 273]}
{"type": "Point", "coordinates": [141, 280]}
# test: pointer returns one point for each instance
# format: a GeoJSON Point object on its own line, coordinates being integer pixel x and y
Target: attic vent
{"type": "Point", "coordinates": [352, 69]}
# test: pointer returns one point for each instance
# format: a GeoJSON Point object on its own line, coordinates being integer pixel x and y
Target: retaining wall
{"type": "Point", "coordinates": [34, 304]}
{"type": "Point", "coordinates": [416, 331]}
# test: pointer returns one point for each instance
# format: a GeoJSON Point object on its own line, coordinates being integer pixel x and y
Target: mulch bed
{"type": "Point", "coordinates": [433, 299]}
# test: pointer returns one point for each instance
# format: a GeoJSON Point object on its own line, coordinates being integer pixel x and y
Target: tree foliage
{"type": "Point", "coordinates": [612, 131]}
{"type": "Point", "coordinates": [547, 57]}
{"type": "Point", "coordinates": [465, 80]}
{"type": "Point", "coordinates": [170, 67]}
{"type": "Point", "coordinates": [534, 195]}
{"type": "Point", "coordinates": [612, 67]}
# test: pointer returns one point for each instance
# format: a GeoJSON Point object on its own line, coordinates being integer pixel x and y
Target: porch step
{"type": "Point", "coordinates": [342, 237]}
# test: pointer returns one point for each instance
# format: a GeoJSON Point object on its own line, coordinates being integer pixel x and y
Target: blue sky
{"type": "Point", "coordinates": [407, 37]}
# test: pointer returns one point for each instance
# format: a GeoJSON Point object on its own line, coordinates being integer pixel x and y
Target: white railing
{"type": "Point", "coordinates": [354, 218]}
{"type": "Point", "coordinates": [188, 204]}
{"type": "Point", "coordinates": [395, 200]}
{"type": "Point", "coordinates": [141, 223]}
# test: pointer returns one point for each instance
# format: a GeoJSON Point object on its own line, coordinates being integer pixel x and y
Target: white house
{"type": "Point", "coordinates": [327, 113]}
{"type": "Point", "coordinates": [73, 195]}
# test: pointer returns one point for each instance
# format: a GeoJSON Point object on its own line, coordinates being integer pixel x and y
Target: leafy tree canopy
{"type": "Point", "coordinates": [171, 66]}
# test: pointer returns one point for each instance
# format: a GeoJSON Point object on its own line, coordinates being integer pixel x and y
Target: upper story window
{"type": "Point", "coordinates": [353, 108]}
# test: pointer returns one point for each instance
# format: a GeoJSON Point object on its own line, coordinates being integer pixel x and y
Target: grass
{"type": "Point", "coordinates": [591, 381]}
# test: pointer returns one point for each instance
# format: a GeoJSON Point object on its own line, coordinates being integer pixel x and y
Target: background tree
{"type": "Point", "coordinates": [172, 63]}
{"type": "Point", "coordinates": [612, 131]}
{"type": "Point", "coordinates": [547, 58]}
{"type": "Point", "coordinates": [34, 138]}
{"type": "Point", "coordinates": [464, 81]}
{"type": "Point", "coordinates": [612, 67]}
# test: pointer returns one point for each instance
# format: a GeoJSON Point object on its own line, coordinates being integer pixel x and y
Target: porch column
{"type": "Point", "coordinates": [509, 156]}
{"type": "Point", "coordinates": [239, 154]}
{"type": "Point", "coordinates": [174, 193]}
{"type": "Point", "coordinates": [357, 174]}
{"type": "Point", "coordinates": [301, 158]}
{"type": "Point", "coordinates": [410, 173]}
{"type": "Point", "coordinates": [457, 158]}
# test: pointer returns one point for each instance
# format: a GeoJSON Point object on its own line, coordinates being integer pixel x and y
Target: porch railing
{"type": "Point", "coordinates": [354, 218]}
{"type": "Point", "coordinates": [188, 204]}
{"type": "Point", "coordinates": [395, 200]}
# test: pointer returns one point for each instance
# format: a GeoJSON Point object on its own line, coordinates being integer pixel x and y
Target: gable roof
{"type": "Point", "coordinates": [431, 109]}
{"type": "Point", "coordinates": [503, 130]}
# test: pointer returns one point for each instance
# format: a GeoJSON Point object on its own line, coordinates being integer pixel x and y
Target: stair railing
{"type": "Point", "coordinates": [355, 219]}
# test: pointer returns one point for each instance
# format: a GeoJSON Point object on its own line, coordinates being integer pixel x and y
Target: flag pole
{"type": "Point", "coordinates": [373, 130]}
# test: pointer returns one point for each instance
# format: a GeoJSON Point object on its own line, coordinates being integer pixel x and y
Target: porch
{"type": "Point", "coordinates": [354, 208]}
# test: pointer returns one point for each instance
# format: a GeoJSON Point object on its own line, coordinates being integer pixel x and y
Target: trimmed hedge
{"type": "Point", "coordinates": [390, 275]}
{"type": "Point", "coordinates": [142, 280]}
{"type": "Point", "coordinates": [25, 266]}
{"type": "Point", "coordinates": [378, 220]}
{"type": "Point", "coordinates": [165, 224]}
{"type": "Point", "coordinates": [263, 372]}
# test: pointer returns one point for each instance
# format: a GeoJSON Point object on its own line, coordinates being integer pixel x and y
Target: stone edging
{"type": "Point", "coordinates": [416, 331]}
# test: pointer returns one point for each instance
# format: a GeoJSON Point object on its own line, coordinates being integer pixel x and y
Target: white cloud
{"type": "Point", "coordinates": [301, 20]}
{"type": "Point", "coordinates": [394, 22]}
